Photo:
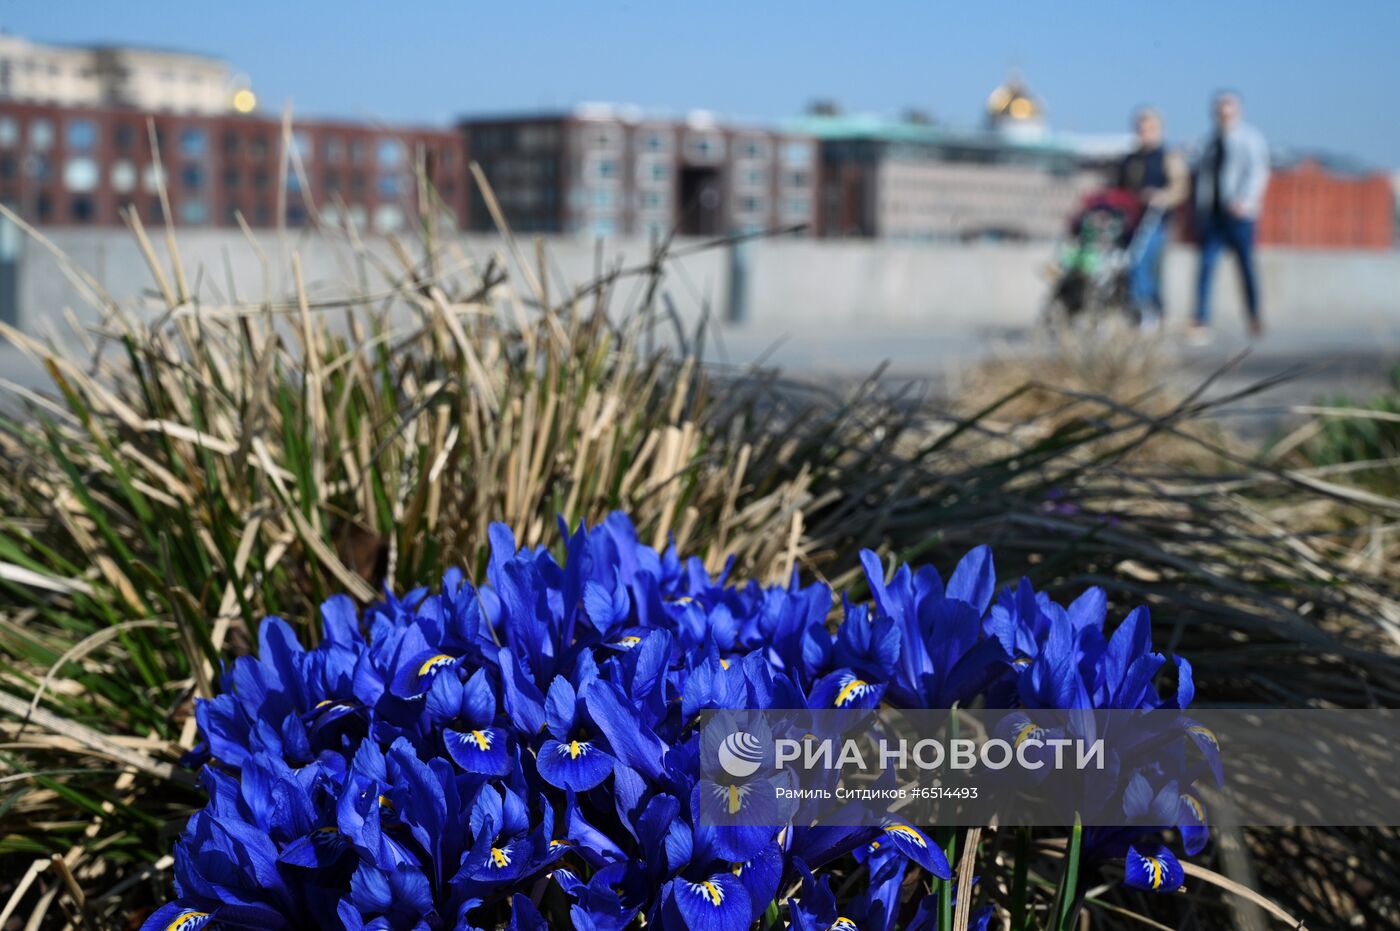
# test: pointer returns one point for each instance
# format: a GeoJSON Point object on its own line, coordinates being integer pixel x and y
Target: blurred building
{"type": "Point", "coordinates": [1316, 202]}
{"type": "Point", "coordinates": [605, 171]}
{"type": "Point", "coordinates": [112, 75]}
{"type": "Point", "coordinates": [907, 179]}
{"type": "Point", "coordinates": [82, 165]}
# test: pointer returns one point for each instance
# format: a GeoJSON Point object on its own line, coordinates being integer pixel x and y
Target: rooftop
{"type": "Point", "coordinates": [887, 129]}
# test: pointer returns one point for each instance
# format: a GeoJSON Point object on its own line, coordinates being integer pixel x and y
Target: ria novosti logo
{"type": "Point", "coordinates": [740, 754]}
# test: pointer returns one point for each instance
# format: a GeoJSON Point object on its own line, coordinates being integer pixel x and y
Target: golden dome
{"type": "Point", "coordinates": [1013, 101]}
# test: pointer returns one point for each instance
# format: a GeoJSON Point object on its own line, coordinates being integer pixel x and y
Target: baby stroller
{"type": "Point", "coordinates": [1090, 278]}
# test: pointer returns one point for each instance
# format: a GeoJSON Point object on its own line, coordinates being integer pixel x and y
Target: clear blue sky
{"type": "Point", "coordinates": [1313, 74]}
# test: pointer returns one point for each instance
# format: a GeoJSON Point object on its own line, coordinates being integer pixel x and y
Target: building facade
{"type": "Point", "coordinates": [604, 171]}
{"type": "Point", "coordinates": [110, 75]}
{"type": "Point", "coordinates": [83, 165]}
{"type": "Point", "coordinates": [915, 180]}
{"type": "Point", "coordinates": [1310, 205]}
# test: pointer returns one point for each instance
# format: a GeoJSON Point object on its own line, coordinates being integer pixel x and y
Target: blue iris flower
{"type": "Point", "coordinates": [441, 758]}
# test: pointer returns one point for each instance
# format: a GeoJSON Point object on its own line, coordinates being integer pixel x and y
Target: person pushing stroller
{"type": "Point", "coordinates": [1158, 178]}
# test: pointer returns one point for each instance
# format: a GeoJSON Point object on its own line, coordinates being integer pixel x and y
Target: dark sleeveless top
{"type": "Point", "coordinates": [1144, 170]}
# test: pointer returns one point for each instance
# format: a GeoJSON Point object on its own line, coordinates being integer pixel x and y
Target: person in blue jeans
{"type": "Point", "coordinates": [1158, 177]}
{"type": "Point", "coordinates": [1231, 178]}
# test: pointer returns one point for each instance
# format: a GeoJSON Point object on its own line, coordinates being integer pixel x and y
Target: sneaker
{"type": "Point", "coordinates": [1198, 335]}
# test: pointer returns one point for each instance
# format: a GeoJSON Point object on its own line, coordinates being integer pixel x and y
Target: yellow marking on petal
{"type": "Point", "coordinates": [843, 924]}
{"type": "Point", "coordinates": [1025, 732]}
{"type": "Point", "coordinates": [562, 842]}
{"type": "Point", "coordinates": [575, 748]}
{"type": "Point", "coordinates": [483, 740]}
{"type": "Point", "coordinates": [324, 702]}
{"type": "Point", "coordinates": [724, 664]}
{"type": "Point", "coordinates": [1195, 806]}
{"type": "Point", "coordinates": [1205, 732]}
{"type": "Point", "coordinates": [736, 799]}
{"type": "Point", "coordinates": [1155, 866]}
{"type": "Point", "coordinates": [628, 642]}
{"type": "Point", "coordinates": [852, 688]}
{"type": "Point", "coordinates": [710, 891]}
{"type": "Point", "coordinates": [186, 920]}
{"type": "Point", "coordinates": [433, 662]}
{"type": "Point", "coordinates": [384, 800]}
{"type": "Point", "coordinates": [500, 858]}
{"type": "Point", "coordinates": [684, 600]}
{"type": "Point", "coordinates": [1021, 661]}
{"type": "Point", "coordinates": [908, 833]}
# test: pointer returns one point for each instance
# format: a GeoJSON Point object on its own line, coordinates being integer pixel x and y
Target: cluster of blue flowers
{"type": "Point", "coordinates": [478, 756]}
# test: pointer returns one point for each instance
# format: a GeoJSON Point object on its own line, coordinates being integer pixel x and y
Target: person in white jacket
{"type": "Point", "coordinates": [1231, 177]}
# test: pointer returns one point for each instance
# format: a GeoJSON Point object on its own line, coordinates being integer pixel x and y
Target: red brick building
{"type": "Point", "coordinates": [1310, 206]}
{"type": "Point", "coordinates": [79, 166]}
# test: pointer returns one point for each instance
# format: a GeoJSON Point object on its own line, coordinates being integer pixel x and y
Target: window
{"type": "Point", "coordinates": [654, 142]}
{"type": "Point", "coordinates": [357, 184]}
{"type": "Point", "coordinates": [39, 168]}
{"type": "Point", "coordinates": [257, 147]}
{"type": "Point", "coordinates": [9, 167]}
{"type": "Point", "coordinates": [331, 181]}
{"type": "Point", "coordinates": [232, 179]}
{"type": "Point", "coordinates": [192, 141]}
{"type": "Point", "coordinates": [152, 178]}
{"type": "Point", "coordinates": [603, 198]}
{"type": "Point", "coordinates": [80, 174]}
{"type": "Point", "coordinates": [753, 148]}
{"type": "Point", "coordinates": [797, 154]}
{"type": "Point", "coordinates": [755, 177]}
{"type": "Point", "coordinates": [80, 209]}
{"type": "Point", "coordinates": [261, 180]}
{"type": "Point", "coordinates": [356, 215]}
{"type": "Point", "coordinates": [193, 212]}
{"type": "Point", "coordinates": [43, 208]}
{"type": "Point", "coordinates": [799, 206]}
{"type": "Point", "coordinates": [652, 200]}
{"type": "Point", "coordinates": [357, 154]}
{"type": "Point", "coordinates": [124, 137]}
{"type": "Point", "coordinates": [706, 148]}
{"type": "Point", "coordinates": [81, 135]}
{"type": "Point", "coordinates": [660, 171]}
{"type": "Point", "coordinates": [607, 168]}
{"type": "Point", "coordinates": [603, 226]}
{"type": "Point", "coordinates": [389, 185]}
{"type": "Point", "coordinates": [231, 144]}
{"type": "Point", "coordinates": [387, 218]}
{"type": "Point", "coordinates": [301, 147]}
{"type": "Point", "coordinates": [335, 150]}
{"type": "Point", "coordinates": [40, 135]}
{"type": "Point", "coordinates": [123, 176]}
{"type": "Point", "coordinates": [390, 153]}
{"type": "Point", "coordinates": [750, 204]}
{"type": "Point", "coordinates": [9, 131]}
{"type": "Point", "coordinates": [797, 178]}
{"type": "Point", "coordinates": [192, 177]}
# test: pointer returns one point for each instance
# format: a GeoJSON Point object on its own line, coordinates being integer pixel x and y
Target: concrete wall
{"type": "Point", "coordinates": [814, 304]}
